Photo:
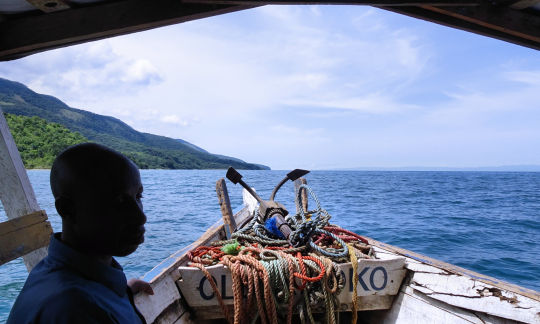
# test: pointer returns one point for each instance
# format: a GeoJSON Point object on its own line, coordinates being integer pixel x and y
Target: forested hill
{"type": "Point", "coordinates": [148, 151]}
{"type": "Point", "coordinates": [39, 141]}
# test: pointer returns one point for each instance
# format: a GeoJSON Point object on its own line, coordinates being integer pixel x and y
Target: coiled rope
{"type": "Point", "coordinates": [267, 271]}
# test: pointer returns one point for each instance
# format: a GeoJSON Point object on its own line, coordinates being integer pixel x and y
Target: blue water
{"type": "Point", "coordinates": [488, 222]}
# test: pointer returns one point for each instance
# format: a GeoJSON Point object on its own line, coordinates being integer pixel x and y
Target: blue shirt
{"type": "Point", "coordinates": [69, 287]}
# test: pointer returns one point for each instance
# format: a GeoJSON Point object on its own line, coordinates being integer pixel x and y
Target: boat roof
{"type": "Point", "coordinates": [32, 26]}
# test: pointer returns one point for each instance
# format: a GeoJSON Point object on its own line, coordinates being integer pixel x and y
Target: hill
{"type": "Point", "coordinates": [148, 151]}
{"type": "Point", "coordinates": [39, 141]}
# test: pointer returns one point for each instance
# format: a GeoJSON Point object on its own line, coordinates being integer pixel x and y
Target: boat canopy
{"type": "Point", "coordinates": [32, 26]}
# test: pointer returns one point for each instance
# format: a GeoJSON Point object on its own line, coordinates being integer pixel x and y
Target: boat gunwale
{"type": "Point", "coordinates": [169, 266]}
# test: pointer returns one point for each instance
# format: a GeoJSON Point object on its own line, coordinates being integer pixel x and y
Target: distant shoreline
{"type": "Point", "coordinates": [404, 169]}
{"type": "Point", "coordinates": [514, 168]}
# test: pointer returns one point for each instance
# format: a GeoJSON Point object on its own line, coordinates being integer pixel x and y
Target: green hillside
{"type": "Point", "coordinates": [39, 141]}
{"type": "Point", "coordinates": [148, 151]}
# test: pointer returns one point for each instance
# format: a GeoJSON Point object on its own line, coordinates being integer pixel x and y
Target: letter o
{"type": "Point", "coordinates": [372, 278]}
{"type": "Point", "coordinates": [201, 289]}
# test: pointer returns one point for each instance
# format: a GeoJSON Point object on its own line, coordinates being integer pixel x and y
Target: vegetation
{"type": "Point", "coordinates": [38, 141]}
{"type": "Point", "coordinates": [148, 151]}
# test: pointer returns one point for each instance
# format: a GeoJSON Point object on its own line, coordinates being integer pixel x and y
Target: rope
{"type": "Point", "coordinates": [266, 271]}
{"type": "Point", "coordinates": [354, 263]}
{"type": "Point", "coordinates": [212, 282]}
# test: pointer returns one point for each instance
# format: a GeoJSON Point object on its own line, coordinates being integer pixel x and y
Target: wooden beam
{"type": "Point", "coordinates": [506, 20]}
{"type": "Point", "coordinates": [16, 192]}
{"type": "Point", "coordinates": [225, 205]}
{"type": "Point", "coordinates": [49, 5]}
{"type": "Point", "coordinates": [21, 36]}
{"type": "Point", "coordinates": [22, 235]}
{"type": "Point", "coordinates": [343, 2]}
{"type": "Point", "coordinates": [502, 23]}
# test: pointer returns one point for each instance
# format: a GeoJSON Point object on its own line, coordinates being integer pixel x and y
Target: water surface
{"type": "Point", "coordinates": [488, 222]}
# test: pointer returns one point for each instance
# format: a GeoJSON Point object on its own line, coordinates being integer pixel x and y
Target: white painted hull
{"type": "Point", "coordinates": [432, 291]}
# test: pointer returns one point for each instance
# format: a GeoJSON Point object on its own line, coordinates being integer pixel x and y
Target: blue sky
{"type": "Point", "coordinates": [313, 87]}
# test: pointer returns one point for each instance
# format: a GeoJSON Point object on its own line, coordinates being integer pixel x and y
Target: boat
{"type": "Point", "coordinates": [393, 285]}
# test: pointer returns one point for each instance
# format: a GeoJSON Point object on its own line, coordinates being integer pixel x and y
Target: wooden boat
{"type": "Point", "coordinates": [429, 291]}
{"type": "Point", "coordinates": [398, 286]}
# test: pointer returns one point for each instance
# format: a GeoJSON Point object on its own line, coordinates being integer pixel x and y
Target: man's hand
{"type": "Point", "coordinates": [138, 285]}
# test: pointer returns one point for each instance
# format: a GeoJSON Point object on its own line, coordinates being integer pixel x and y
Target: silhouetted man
{"type": "Point", "coordinates": [98, 194]}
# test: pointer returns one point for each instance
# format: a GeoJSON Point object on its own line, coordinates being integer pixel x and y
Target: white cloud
{"type": "Point", "coordinates": [344, 86]}
{"type": "Point", "coordinates": [173, 119]}
{"type": "Point", "coordinates": [83, 75]}
{"type": "Point", "coordinates": [528, 77]}
{"type": "Point", "coordinates": [140, 71]}
{"type": "Point", "coordinates": [373, 103]}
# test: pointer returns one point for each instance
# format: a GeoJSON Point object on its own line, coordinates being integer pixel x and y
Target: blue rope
{"type": "Point", "coordinates": [307, 228]}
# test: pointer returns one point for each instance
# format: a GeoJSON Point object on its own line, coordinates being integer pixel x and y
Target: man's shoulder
{"type": "Point", "coordinates": [52, 293]}
{"type": "Point", "coordinates": [51, 280]}
{"type": "Point", "coordinates": [70, 304]}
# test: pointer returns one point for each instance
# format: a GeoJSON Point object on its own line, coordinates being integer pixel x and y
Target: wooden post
{"type": "Point", "coordinates": [16, 192]}
{"type": "Point", "coordinates": [297, 184]}
{"type": "Point", "coordinates": [225, 204]}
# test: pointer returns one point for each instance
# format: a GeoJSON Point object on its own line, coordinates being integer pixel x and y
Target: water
{"type": "Point", "coordinates": [488, 222]}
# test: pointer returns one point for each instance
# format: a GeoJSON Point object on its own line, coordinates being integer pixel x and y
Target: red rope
{"type": "Point", "coordinates": [339, 230]}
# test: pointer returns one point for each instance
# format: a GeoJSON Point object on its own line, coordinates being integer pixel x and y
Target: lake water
{"type": "Point", "coordinates": [488, 222]}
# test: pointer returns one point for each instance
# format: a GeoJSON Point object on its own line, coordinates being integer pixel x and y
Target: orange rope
{"type": "Point", "coordinates": [236, 287]}
{"type": "Point", "coordinates": [251, 281]}
{"type": "Point", "coordinates": [267, 288]}
{"type": "Point", "coordinates": [214, 288]}
{"type": "Point", "coordinates": [303, 275]}
{"type": "Point", "coordinates": [244, 262]}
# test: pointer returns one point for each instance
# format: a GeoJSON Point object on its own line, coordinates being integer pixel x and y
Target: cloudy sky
{"type": "Point", "coordinates": [317, 87]}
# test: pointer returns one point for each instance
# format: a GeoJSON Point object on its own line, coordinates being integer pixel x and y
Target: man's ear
{"type": "Point", "coordinates": [65, 208]}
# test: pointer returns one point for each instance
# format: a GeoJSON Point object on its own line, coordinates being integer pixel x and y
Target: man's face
{"type": "Point", "coordinates": [110, 217]}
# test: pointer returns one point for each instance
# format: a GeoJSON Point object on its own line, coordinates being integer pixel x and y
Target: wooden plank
{"type": "Point", "coordinates": [365, 303]}
{"type": "Point", "coordinates": [19, 223]}
{"type": "Point", "coordinates": [522, 4]}
{"type": "Point", "coordinates": [16, 192]}
{"type": "Point", "coordinates": [225, 206]}
{"type": "Point", "coordinates": [375, 278]}
{"type": "Point", "coordinates": [22, 235]}
{"type": "Point", "coordinates": [297, 183]}
{"type": "Point", "coordinates": [450, 268]}
{"type": "Point", "coordinates": [411, 306]}
{"type": "Point", "coordinates": [509, 21]}
{"type": "Point", "coordinates": [514, 26]}
{"type": "Point", "coordinates": [20, 37]}
{"type": "Point", "coordinates": [467, 293]}
{"type": "Point", "coordinates": [164, 304]}
{"type": "Point", "coordinates": [343, 2]}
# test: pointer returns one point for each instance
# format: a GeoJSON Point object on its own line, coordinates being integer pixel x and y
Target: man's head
{"type": "Point", "coordinates": [98, 194]}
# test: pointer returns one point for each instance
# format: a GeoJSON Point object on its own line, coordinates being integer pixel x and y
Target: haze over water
{"type": "Point", "coordinates": [488, 222]}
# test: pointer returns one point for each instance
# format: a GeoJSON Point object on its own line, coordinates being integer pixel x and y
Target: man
{"type": "Point", "coordinates": [98, 194]}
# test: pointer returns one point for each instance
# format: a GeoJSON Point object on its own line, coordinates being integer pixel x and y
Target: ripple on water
{"type": "Point", "coordinates": [483, 221]}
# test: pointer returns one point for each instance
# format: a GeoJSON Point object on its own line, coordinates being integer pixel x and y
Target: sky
{"type": "Point", "coordinates": [314, 87]}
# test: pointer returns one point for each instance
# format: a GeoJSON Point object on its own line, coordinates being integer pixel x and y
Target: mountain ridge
{"type": "Point", "coordinates": [147, 150]}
